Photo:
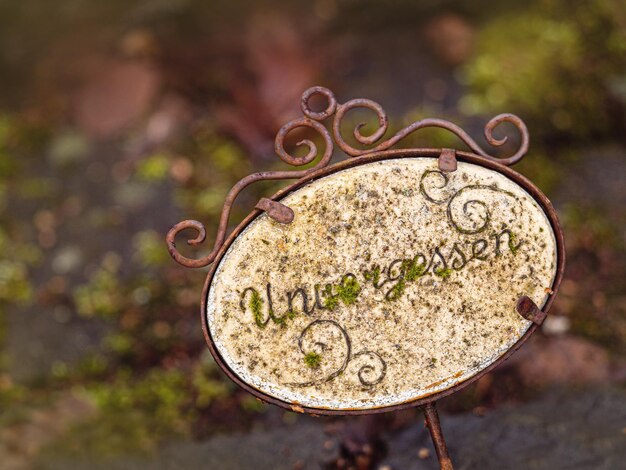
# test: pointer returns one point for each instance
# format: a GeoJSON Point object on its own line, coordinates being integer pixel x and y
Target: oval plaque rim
{"type": "Point", "coordinates": [467, 157]}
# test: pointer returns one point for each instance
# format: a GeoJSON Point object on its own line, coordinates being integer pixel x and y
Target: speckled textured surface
{"type": "Point", "coordinates": [393, 282]}
{"type": "Point", "coordinates": [563, 429]}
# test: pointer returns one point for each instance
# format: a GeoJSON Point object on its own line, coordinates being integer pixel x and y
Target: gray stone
{"type": "Point", "coordinates": [564, 429]}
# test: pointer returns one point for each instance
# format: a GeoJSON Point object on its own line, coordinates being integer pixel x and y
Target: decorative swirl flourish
{"type": "Point", "coordinates": [383, 124]}
{"type": "Point", "coordinates": [469, 208]}
{"type": "Point", "coordinates": [323, 347]}
{"type": "Point", "coordinates": [365, 371]}
{"type": "Point", "coordinates": [312, 153]}
{"type": "Point", "coordinates": [325, 92]}
{"type": "Point", "coordinates": [443, 180]}
{"type": "Point", "coordinates": [312, 120]}
{"type": "Point", "coordinates": [246, 181]}
{"type": "Point", "coordinates": [473, 206]}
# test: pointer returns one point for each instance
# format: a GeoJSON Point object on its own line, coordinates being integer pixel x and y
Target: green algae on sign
{"type": "Point", "coordinates": [394, 281]}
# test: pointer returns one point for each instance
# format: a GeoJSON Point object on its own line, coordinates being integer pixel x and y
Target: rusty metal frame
{"type": "Point", "coordinates": [447, 162]}
{"type": "Point", "coordinates": [380, 156]}
{"type": "Point", "coordinates": [312, 120]}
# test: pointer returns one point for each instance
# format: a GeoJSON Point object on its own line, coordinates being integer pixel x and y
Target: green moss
{"type": "Point", "coordinates": [148, 246]}
{"type": "Point", "coordinates": [256, 303]}
{"type": "Point", "coordinates": [331, 301]}
{"type": "Point", "coordinates": [548, 81]}
{"type": "Point", "coordinates": [373, 275]}
{"type": "Point", "coordinates": [443, 273]}
{"type": "Point", "coordinates": [312, 359]}
{"type": "Point", "coordinates": [102, 295]}
{"type": "Point", "coordinates": [513, 246]}
{"type": "Point", "coordinates": [135, 413]}
{"type": "Point", "coordinates": [282, 320]}
{"type": "Point", "coordinates": [396, 291]}
{"type": "Point", "coordinates": [412, 270]}
{"type": "Point", "coordinates": [279, 320]}
{"type": "Point", "coordinates": [153, 168]}
{"type": "Point", "coordinates": [15, 285]}
{"type": "Point", "coordinates": [349, 290]}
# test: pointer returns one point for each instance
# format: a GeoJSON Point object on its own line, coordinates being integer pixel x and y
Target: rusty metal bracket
{"type": "Point", "coordinates": [447, 160]}
{"type": "Point", "coordinates": [529, 310]}
{"type": "Point", "coordinates": [276, 210]}
{"type": "Point", "coordinates": [313, 120]}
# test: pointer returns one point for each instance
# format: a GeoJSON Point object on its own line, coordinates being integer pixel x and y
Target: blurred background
{"type": "Point", "coordinates": [119, 119]}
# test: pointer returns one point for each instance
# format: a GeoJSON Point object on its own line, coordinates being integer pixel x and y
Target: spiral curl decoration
{"type": "Point", "coordinates": [312, 120]}
{"type": "Point", "coordinates": [311, 330]}
{"type": "Point", "coordinates": [443, 180]}
{"type": "Point", "coordinates": [279, 147]}
{"type": "Point", "coordinates": [473, 205]}
{"type": "Point", "coordinates": [468, 208]}
{"type": "Point", "coordinates": [383, 124]}
{"type": "Point", "coordinates": [364, 373]}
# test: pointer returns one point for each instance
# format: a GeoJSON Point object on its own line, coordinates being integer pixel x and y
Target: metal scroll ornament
{"type": "Point", "coordinates": [313, 120]}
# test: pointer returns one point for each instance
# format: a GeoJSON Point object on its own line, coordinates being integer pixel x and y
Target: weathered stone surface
{"type": "Point", "coordinates": [560, 430]}
{"type": "Point", "coordinates": [394, 281]}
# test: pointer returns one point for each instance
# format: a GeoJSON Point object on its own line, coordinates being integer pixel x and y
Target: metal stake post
{"type": "Point", "coordinates": [433, 425]}
{"type": "Point", "coordinates": [376, 150]}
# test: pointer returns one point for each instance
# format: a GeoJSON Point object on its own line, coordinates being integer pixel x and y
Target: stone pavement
{"type": "Point", "coordinates": [562, 430]}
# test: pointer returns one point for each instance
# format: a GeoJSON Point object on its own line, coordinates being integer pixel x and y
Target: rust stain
{"type": "Point", "coordinates": [445, 379]}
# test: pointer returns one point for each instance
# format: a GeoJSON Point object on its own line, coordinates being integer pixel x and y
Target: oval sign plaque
{"type": "Point", "coordinates": [394, 283]}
